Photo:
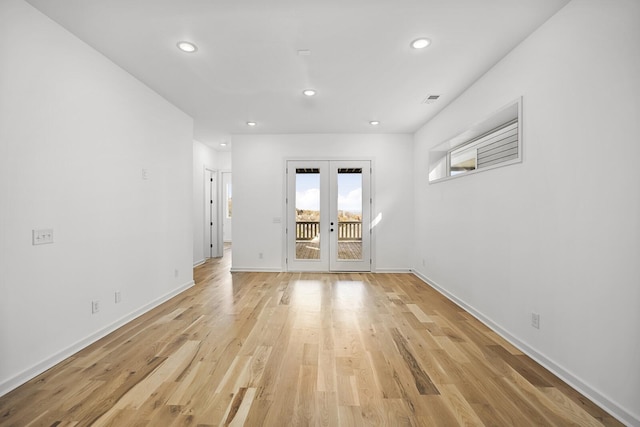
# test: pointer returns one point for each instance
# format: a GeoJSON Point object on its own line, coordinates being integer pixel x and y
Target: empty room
{"type": "Point", "coordinates": [335, 213]}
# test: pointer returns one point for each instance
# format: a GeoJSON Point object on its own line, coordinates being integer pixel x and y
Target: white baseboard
{"type": "Point", "coordinates": [197, 263]}
{"type": "Point", "coordinates": [30, 373]}
{"type": "Point", "coordinates": [255, 270]}
{"type": "Point", "coordinates": [592, 394]}
{"type": "Point", "coordinates": [278, 270]}
{"type": "Point", "coordinates": [392, 270]}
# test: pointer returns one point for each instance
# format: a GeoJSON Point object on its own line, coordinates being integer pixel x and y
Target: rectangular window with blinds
{"type": "Point", "coordinates": [492, 143]}
{"type": "Point", "coordinates": [497, 146]}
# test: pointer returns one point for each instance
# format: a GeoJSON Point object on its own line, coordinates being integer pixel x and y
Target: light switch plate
{"type": "Point", "coordinates": [42, 236]}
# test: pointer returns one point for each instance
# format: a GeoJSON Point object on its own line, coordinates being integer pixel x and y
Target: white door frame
{"type": "Point", "coordinates": [322, 263]}
{"type": "Point", "coordinates": [365, 263]}
{"type": "Point", "coordinates": [212, 225]}
{"type": "Point", "coordinates": [328, 260]}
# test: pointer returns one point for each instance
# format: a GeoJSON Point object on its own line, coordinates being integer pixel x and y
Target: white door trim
{"type": "Point", "coordinates": [212, 235]}
{"type": "Point", "coordinates": [324, 263]}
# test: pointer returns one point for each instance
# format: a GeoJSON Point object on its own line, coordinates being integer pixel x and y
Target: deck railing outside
{"type": "Point", "coordinates": [307, 230]}
{"type": "Point", "coordinates": [347, 230]}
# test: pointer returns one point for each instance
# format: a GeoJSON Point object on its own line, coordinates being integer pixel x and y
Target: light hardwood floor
{"type": "Point", "coordinates": [279, 349]}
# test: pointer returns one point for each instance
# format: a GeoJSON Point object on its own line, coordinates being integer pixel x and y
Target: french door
{"type": "Point", "coordinates": [329, 215]}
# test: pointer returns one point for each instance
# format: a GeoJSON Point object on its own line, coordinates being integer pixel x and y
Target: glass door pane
{"type": "Point", "coordinates": [307, 205]}
{"type": "Point", "coordinates": [349, 213]}
{"type": "Point", "coordinates": [307, 215]}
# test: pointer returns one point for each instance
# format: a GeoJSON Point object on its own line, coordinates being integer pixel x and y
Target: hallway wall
{"type": "Point", "coordinates": [95, 155]}
{"type": "Point", "coordinates": [559, 234]}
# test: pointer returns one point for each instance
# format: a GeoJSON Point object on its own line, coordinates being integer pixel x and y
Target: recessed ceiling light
{"type": "Point", "coordinates": [374, 122]}
{"type": "Point", "coordinates": [309, 92]}
{"type": "Point", "coordinates": [187, 47]}
{"type": "Point", "coordinates": [252, 124]}
{"type": "Point", "coordinates": [223, 144]}
{"type": "Point", "coordinates": [420, 43]}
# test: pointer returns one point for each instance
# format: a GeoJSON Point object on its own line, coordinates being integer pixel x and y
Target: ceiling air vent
{"type": "Point", "coordinates": [430, 99]}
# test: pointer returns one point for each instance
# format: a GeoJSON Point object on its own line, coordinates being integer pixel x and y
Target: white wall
{"type": "Point", "coordinates": [76, 132]}
{"type": "Point", "coordinates": [259, 187]}
{"type": "Point", "coordinates": [224, 160]}
{"type": "Point", "coordinates": [560, 233]}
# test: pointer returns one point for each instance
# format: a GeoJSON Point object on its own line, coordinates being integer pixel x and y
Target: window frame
{"type": "Point", "coordinates": [440, 168]}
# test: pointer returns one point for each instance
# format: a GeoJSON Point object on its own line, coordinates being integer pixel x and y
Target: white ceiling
{"type": "Point", "coordinates": [247, 67]}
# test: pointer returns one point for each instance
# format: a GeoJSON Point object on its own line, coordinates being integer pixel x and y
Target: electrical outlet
{"type": "Point", "coordinates": [260, 255]}
{"type": "Point", "coordinates": [535, 320]}
{"type": "Point", "coordinates": [118, 297]}
{"type": "Point", "coordinates": [176, 272]}
{"type": "Point", "coordinates": [95, 307]}
{"type": "Point", "coordinates": [424, 262]}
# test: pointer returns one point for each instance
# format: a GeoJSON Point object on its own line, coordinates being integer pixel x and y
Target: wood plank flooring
{"type": "Point", "coordinates": [275, 349]}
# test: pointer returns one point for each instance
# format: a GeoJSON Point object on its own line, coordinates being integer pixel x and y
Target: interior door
{"type": "Point", "coordinates": [328, 216]}
{"type": "Point", "coordinates": [211, 240]}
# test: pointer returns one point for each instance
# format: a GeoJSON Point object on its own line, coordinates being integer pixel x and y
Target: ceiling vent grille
{"type": "Point", "coordinates": [430, 99]}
